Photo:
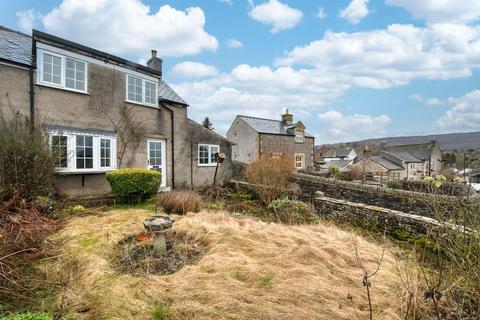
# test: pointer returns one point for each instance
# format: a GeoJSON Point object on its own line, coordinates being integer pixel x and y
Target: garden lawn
{"type": "Point", "coordinates": [249, 270]}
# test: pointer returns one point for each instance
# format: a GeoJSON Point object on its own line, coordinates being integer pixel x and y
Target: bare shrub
{"type": "Point", "coordinates": [270, 176]}
{"type": "Point", "coordinates": [180, 202]}
{"type": "Point", "coordinates": [26, 162]}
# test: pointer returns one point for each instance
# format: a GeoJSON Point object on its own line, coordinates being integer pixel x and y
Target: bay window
{"type": "Point", "coordinates": [82, 152]}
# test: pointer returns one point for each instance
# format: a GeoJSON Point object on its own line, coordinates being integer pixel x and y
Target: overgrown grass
{"type": "Point", "coordinates": [250, 270]}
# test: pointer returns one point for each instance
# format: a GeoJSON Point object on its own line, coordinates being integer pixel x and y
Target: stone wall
{"type": "Point", "coordinates": [406, 201]}
{"type": "Point", "coordinates": [392, 222]}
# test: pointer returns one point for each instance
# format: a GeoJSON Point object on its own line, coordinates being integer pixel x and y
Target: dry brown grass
{"type": "Point", "coordinates": [250, 270]}
{"type": "Point", "coordinates": [180, 202]}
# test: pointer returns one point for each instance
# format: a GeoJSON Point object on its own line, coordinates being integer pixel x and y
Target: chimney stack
{"type": "Point", "coordinates": [383, 145]}
{"type": "Point", "coordinates": [287, 118]}
{"type": "Point", "coordinates": [155, 62]}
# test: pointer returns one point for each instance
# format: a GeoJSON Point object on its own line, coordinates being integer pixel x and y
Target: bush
{"type": "Point", "coordinates": [180, 202]}
{"type": "Point", "coordinates": [270, 176]}
{"type": "Point", "coordinates": [27, 164]}
{"type": "Point", "coordinates": [142, 183]}
{"type": "Point", "coordinates": [30, 316]}
{"type": "Point", "coordinates": [291, 211]}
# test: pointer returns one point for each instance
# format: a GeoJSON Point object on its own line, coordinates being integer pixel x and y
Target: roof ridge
{"type": "Point", "coordinates": [409, 144]}
{"type": "Point", "coordinates": [15, 31]}
{"type": "Point", "coordinates": [241, 115]}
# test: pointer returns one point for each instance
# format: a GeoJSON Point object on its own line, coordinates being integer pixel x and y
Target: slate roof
{"type": "Point", "coordinates": [270, 126]}
{"type": "Point", "coordinates": [411, 152]}
{"type": "Point", "coordinates": [165, 92]}
{"type": "Point", "coordinates": [387, 164]}
{"type": "Point", "coordinates": [15, 46]}
{"type": "Point", "coordinates": [337, 163]}
{"type": "Point", "coordinates": [337, 153]}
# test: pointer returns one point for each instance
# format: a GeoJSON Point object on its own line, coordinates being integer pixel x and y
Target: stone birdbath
{"type": "Point", "coordinates": [157, 225]}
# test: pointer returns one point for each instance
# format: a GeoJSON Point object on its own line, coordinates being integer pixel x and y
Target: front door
{"type": "Point", "coordinates": [156, 158]}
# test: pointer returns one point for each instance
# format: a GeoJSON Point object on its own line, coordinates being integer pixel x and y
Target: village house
{"type": "Point", "coordinates": [253, 138]}
{"type": "Point", "coordinates": [103, 112]}
{"type": "Point", "coordinates": [332, 154]}
{"type": "Point", "coordinates": [409, 161]}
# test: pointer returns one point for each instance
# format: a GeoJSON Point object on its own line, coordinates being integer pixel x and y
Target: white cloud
{"type": "Point", "coordinates": [193, 70]}
{"type": "Point", "coordinates": [27, 20]}
{"type": "Point", "coordinates": [338, 127]}
{"type": "Point", "coordinates": [356, 11]}
{"type": "Point", "coordinates": [434, 11]}
{"type": "Point", "coordinates": [321, 13]}
{"type": "Point", "coordinates": [393, 56]}
{"type": "Point", "coordinates": [464, 115]}
{"type": "Point", "coordinates": [128, 27]}
{"type": "Point", "coordinates": [234, 44]}
{"type": "Point", "coordinates": [276, 14]}
{"type": "Point", "coordinates": [309, 78]}
{"type": "Point", "coordinates": [427, 102]}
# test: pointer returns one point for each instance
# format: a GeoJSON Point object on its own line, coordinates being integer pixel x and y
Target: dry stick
{"type": "Point", "coordinates": [431, 289]}
{"type": "Point", "coordinates": [366, 276]}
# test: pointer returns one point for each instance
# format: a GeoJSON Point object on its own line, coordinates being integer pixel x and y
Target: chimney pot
{"type": "Point", "coordinates": [155, 62]}
{"type": "Point", "coordinates": [287, 118]}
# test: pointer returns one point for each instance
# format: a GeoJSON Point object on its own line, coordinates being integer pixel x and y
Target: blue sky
{"type": "Point", "coordinates": [348, 69]}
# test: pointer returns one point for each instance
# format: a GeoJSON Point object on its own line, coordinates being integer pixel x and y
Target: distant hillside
{"type": "Point", "coordinates": [447, 142]}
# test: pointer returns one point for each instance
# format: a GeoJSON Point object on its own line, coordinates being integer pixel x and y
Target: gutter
{"type": "Point", "coordinates": [172, 141]}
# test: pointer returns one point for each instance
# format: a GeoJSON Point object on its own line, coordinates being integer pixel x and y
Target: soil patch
{"type": "Point", "coordinates": [138, 256]}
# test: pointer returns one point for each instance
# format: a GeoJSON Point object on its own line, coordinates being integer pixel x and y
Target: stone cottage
{"type": "Point", "coordinates": [103, 112]}
{"type": "Point", "coordinates": [253, 138]}
{"type": "Point", "coordinates": [409, 161]}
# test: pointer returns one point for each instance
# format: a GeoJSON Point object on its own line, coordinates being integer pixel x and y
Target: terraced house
{"type": "Point", "coordinates": [103, 112]}
{"type": "Point", "coordinates": [254, 137]}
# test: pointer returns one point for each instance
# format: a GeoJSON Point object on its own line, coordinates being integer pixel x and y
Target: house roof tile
{"type": "Point", "coordinates": [165, 92]}
{"type": "Point", "coordinates": [270, 126]}
{"type": "Point", "coordinates": [15, 46]}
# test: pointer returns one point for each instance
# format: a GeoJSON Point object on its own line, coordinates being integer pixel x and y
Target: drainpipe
{"type": "Point", "coordinates": [32, 86]}
{"type": "Point", "coordinates": [173, 142]}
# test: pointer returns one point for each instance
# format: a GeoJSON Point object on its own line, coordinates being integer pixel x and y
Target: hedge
{"type": "Point", "coordinates": [134, 182]}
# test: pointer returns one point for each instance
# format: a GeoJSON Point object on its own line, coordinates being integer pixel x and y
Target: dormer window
{"type": "Point", "coordinates": [141, 91]}
{"type": "Point", "coordinates": [299, 136]}
{"type": "Point", "coordinates": [56, 70]}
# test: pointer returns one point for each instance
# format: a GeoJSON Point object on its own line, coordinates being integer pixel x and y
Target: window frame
{"type": "Point", "coordinates": [144, 89]}
{"type": "Point", "coordinates": [302, 155]}
{"type": "Point", "coordinates": [211, 162]}
{"type": "Point", "coordinates": [50, 140]}
{"type": "Point", "coordinates": [100, 153]}
{"type": "Point", "coordinates": [71, 167]}
{"type": "Point", "coordinates": [296, 131]}
{"type": "Point", "coordinates": [63, 71]}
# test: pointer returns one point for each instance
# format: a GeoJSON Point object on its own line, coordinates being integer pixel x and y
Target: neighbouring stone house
{"type": "Point", "coordinates": [410, 161]}
{"type": "Point", "coordinates": [346, 153]}
{"type": "Point", "coordinates": [103, 112]}
{"type": "Point", "coordinates": [254, 137]}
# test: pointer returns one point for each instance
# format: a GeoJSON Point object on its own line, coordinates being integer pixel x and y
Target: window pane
{"type": "Point", "coordinates": [88, 163]}
{"type": "Point", "coordinates": [75, 74]}
{"type": "Point", "coordinates": [104, 152]}
{"type": "Point", "coordinates": [80, 164]}
{"type": "Point", "coordinates": [59, 150]}
{"type": "Point", "coordinates": [84, 152]}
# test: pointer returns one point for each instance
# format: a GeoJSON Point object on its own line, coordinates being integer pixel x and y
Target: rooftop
{"type": "Point", "coordinates": [337, 153]}
{"type": "Point", "coordinates": [16, 47]}
{"type": "Point", "coordinates": [270, 126]}
{"type": "Point", "coordinates": [412, 152]}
